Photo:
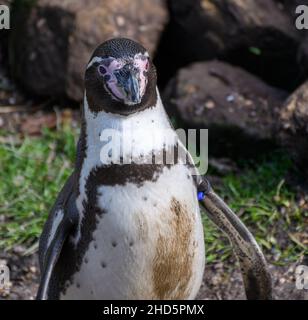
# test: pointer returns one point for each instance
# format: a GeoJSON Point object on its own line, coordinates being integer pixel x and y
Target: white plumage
{"type": "Point", "coordinates": [152, 229]}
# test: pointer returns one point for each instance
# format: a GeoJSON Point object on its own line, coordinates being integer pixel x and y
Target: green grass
{"type": "Point", "coordinates": [268, 207]}
{"type": "Point", "coordinates": [30, 176]}
{"type": "Point", "coordinates": [32, 172]}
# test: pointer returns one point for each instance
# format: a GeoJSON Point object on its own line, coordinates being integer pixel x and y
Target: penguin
{"type": "Point", "coordinates": [127, 223]}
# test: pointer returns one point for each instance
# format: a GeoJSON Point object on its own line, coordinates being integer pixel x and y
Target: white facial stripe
{"type": "Point", "coordinates": [141, 62]}
{"type": "Point", "coordinates": [94, 60]}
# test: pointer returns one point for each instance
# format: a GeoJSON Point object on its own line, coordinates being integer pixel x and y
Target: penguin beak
{"type": "Point", "coordinates": [129, 84]}
{"type": "Point", "coordinates": [132, 89]}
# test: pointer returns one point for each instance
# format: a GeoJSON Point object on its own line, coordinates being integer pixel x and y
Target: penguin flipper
{"type": "Point", "coordinates": [257, 279]}
{"type": "Point", "coordinates": [50, 249]}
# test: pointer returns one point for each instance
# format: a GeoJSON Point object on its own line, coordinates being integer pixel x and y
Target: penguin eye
{"type": "Point", "coordinates": [102, 70]}
{"type": "Point", "coordinates": [108, 68]}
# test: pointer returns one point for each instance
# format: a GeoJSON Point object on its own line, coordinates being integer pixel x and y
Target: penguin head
{"type": "Point", "coordinates": [120, 78]}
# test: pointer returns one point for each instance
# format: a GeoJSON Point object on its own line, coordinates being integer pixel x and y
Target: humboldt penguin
{"type": "Point", "coordinates": [127, 223]}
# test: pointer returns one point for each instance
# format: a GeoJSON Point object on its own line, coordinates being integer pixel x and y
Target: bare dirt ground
{"type": "Point", "coordinates": [221, 281]}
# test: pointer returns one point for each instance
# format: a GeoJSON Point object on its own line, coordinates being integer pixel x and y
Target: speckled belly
{"type": "Point", "coordinates": [147, 245]}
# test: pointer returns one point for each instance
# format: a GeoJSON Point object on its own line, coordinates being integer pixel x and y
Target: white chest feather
{"type": "Point", "coordinates": [149, 242]}
{"type": "Point", "coordinates": [147, 131]}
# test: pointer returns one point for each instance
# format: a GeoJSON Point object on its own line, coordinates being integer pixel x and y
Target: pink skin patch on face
{"type": "Point", "coordinates": [106, 69]}
{"type": "Point", "coordinates": [109, 66]}
{"type": "Point", "coordinates": [141, 62]}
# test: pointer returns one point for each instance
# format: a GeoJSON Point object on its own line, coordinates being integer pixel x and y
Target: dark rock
{"type": "Point", "coordinates": [293, 126]}
{"type": "Point", "coordinates": [239, 109]}
{"type": "Point", "coordinates": [4, 36]}
{"type": "Point", "coordinates": [303, 55]}
{"type": "Point", "coordinates": [222, 24]}
{"type": "Point", "coordinates": [289, 6]}
{"type": "Point", "coordinates": [257, 35]}
{"type": "Point", "coordinates": [54, 40]}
